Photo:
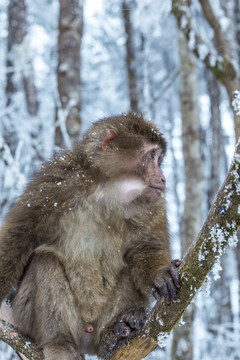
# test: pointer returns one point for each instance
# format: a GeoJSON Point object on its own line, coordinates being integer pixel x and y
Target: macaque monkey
{"type": "Point", "coordinates": [87, 243]}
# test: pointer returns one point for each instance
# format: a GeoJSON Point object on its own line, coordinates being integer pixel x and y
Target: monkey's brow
{"type": "Point", "coordinates": [157, 149]}
{"type": "Point", "coordinates": [149, 147]}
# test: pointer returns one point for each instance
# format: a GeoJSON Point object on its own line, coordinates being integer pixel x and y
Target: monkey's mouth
{"type": "Point", "coordinates": [160, 188]}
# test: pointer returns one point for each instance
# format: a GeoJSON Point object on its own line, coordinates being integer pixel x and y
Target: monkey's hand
{"type": "Point", "coordinates": [167, 282]}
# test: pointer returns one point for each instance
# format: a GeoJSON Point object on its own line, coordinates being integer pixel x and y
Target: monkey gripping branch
{"type": "Point", "coordinates": [218, 231]}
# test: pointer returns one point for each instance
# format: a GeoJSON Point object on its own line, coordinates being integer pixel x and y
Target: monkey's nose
{"type": "Point", "coordinates": [163, 179]}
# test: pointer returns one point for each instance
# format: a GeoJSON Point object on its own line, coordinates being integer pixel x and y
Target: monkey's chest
{"type": "Point", "coordinates": [93, 266]}
{"type": "Point", "coordinates": [94, 257]}
{"type": "Point", "coordinates": [92, 279]}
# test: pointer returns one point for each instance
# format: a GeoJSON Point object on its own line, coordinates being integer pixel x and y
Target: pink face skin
{"type": "Point", "coordinates": [151, 173]}
{"type": "Point", "coordinates": [146, 181]}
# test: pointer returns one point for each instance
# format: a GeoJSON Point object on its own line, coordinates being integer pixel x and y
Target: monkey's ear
{"type": "Point", "coordinates": [110, 135]}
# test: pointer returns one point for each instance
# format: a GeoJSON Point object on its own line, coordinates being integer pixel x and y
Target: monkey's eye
{"type": "Point", "coordinates": [153, 154]}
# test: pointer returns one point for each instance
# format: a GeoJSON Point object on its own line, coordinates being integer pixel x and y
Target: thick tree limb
{"type": "Point", "coordinates": [218, 231]}
{"type": "Point", "coordinates": [21, 344]}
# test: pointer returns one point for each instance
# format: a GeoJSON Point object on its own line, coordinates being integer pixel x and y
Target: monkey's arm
{"type": "Point", "coordinates": [152, 269]}
{"type": "Point", "coordinates": [32, 221]}
{"type": "Point", "coordinates": [16, 245]}
{"type": "Point", "coordinates": [19, 236]}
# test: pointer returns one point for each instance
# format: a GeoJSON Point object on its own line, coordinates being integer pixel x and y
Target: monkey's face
{"type": "Point", "coordinates": [149, 169]}
{"type": "Point", "coordinates": [135, 173]}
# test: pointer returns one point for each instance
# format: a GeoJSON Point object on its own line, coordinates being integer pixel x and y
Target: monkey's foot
{"type": "Point", "coordinates": [167, 283]}
{"type": "Point", "coordinates": [128, 325]}
{"type": "Point", "coordinates": [133, 320]}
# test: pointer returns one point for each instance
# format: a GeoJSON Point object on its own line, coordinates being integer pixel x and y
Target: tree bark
{"type": "Point", "coordinates": [19, 85]}
{"type": "Point", "coordinates": [222, 47]}
{"type": "Point", "coordinates": [68, 118]}
{"type": "Point", "coordinates": [216, 149]}
{"type": "Point", "coordinates": [222, 289]}
{"type": "Point", "coordinates": [218, 231]}
{"type": "Point", "coordinates": [21, 344]}
{"type": "Point", "coordinates": [130, 55]}
{"type": "Point", "coordinates": [17, 49]}
{"type": "Point", "coordinates": [237, 21]}
{"type": "Point", "coordinates": [194, 183]}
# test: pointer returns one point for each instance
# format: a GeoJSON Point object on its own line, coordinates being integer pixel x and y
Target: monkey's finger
{"type": "Point", "coordinates": [163, 292]}
{"type": "Point", "coordinates": [135, 323]}
{"type": "Point", "coordinates": [136, 318]}
{"type": "Point", "coordinates": [157, 295]}
{"type": "Point", "coordinates": [175, 276]}
{"type": "Point", "coordinates": [176, 262]}
{"type": "Point", "coordinates": [143, 315]}
{"type": "Point", "coordinates": [172, 290]}
{"type": "Point", "coordinates": [121, 329]}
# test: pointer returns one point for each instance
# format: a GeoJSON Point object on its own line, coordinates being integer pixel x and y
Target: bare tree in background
{"type": "Point", "coordinates": [194, 189]}
{"type": "Point", "coordinates": [217, 164]}
{"type": "Point", "coordinates": [19, 66]}
{"type": "Point", "coordinates": [68, 118]}
{"type": "Point", "coordinates": [21, 107]}
{"type": "Point", "coordinates": [237, 26]}
{"type": "Point", "coordinates": [217, 152]}
{"type": "Point", "coordinates": [127, 6]}
{"type": "Point", "coordinates": [17, 48]}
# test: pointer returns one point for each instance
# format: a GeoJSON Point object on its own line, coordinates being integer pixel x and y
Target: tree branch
{"type": "Point", "coordinates": [221, 66]}
{"type": "Point", "coordinates": [221, 42]}
{"type": "Point", "coordinates": [19, 343]}
{"type": "Point", "coordinates": [218, 231]}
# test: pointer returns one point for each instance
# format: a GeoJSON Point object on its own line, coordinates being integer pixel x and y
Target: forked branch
{"type": "Point", "coordinates": [218, 60]}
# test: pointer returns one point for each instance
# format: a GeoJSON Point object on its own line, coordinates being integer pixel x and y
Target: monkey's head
{"type": "Point", "coordinates": [128, 152]}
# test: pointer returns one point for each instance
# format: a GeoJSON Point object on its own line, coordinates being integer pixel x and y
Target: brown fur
{"type": "Point", "coordinates": [87, 254]}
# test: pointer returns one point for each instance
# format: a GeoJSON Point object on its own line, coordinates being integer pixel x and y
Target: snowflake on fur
{"type": "Point", "coordinates": [236, 102]}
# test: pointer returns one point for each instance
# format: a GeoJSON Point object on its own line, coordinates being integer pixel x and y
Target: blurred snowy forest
{"type": "Point", "coordinates": [67, 63]}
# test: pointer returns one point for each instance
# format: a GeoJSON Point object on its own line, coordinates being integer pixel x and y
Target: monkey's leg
{"type": "Point", "coordinates": [61, 351]}
{"type": "Point", "coordinates": [126, 326]}
{"type": "Point", "coordinates": [45, 309]}
{"type": "Point", "coordinates": [129, 313]}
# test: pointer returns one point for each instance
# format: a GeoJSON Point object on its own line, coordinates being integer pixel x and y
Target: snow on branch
{"type": "Point", "coordinates": [219, 64]}
{"type": "Point", "coordinates": [19, 343]}
{"type": "Point", "coordinates": [236, 102]}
